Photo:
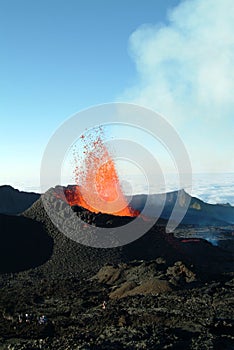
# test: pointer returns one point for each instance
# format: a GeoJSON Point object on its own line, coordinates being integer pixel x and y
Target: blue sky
{"type": "Point", "coordinates": [58, 57]}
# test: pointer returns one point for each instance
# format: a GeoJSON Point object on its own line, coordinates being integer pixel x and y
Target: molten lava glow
{"type": "Point", "coordinates": [97, 184]}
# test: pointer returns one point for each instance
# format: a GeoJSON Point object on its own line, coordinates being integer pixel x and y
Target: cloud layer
{"type": "Point", "coordinates": [186, 72]}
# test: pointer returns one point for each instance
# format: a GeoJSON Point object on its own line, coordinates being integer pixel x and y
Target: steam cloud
{"type": "Point", "coordinates": [186, 72]}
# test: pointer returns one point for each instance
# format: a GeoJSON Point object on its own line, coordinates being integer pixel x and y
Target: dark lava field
{"type": "Point", "coordinates": [158, 292]}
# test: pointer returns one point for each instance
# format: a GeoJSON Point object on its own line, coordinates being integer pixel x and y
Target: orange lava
{"type": "Point", "coordinates": [97, 183]}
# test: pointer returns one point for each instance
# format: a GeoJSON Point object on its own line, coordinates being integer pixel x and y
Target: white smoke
{"type": "Point", "coordinates": [186, 72]}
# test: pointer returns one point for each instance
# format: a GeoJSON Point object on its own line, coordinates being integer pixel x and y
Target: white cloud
{"type": "Point", "coordinates": [186, 71]}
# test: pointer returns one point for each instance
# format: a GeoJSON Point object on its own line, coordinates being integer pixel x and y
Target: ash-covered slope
{"type": "Point", "coordinates": [24, 244]}
{"type": "Point", "coordinates": [13, 201]}
{"type": "Point", "coordinates": [199, 212]}
{"type": "Point", "coordinates": [70, 257]}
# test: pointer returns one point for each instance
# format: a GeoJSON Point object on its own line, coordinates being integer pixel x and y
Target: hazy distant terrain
{"type": "Point", "coordinates": [13, 201]}
{"type": "Point", "coordinates": [199, 212]}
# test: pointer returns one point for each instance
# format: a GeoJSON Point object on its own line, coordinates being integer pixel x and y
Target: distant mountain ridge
{"type": "Point", "coordinates": [198, 213]}
{"type": "Point", "coordinates": [13, 201]}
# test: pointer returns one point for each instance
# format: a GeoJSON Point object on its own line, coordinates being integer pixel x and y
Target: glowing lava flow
{"type": "Point", "coordinates": [98, 188]}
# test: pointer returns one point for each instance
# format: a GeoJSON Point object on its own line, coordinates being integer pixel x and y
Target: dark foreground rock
{"type": "Point", "coordinates": [189, 315]}
{"type": "Point", "coordinates": [143, 278]}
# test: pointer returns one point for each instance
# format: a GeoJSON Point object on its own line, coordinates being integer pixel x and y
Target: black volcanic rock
{"type": "Point", "coordinates": [142, 278]}
{"type": "Point", "coordinates": [101, 219]}
{"type": "Point", "coordinates": [23, 244]}
{"type": "Point", "coordinates": [13, 201]}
